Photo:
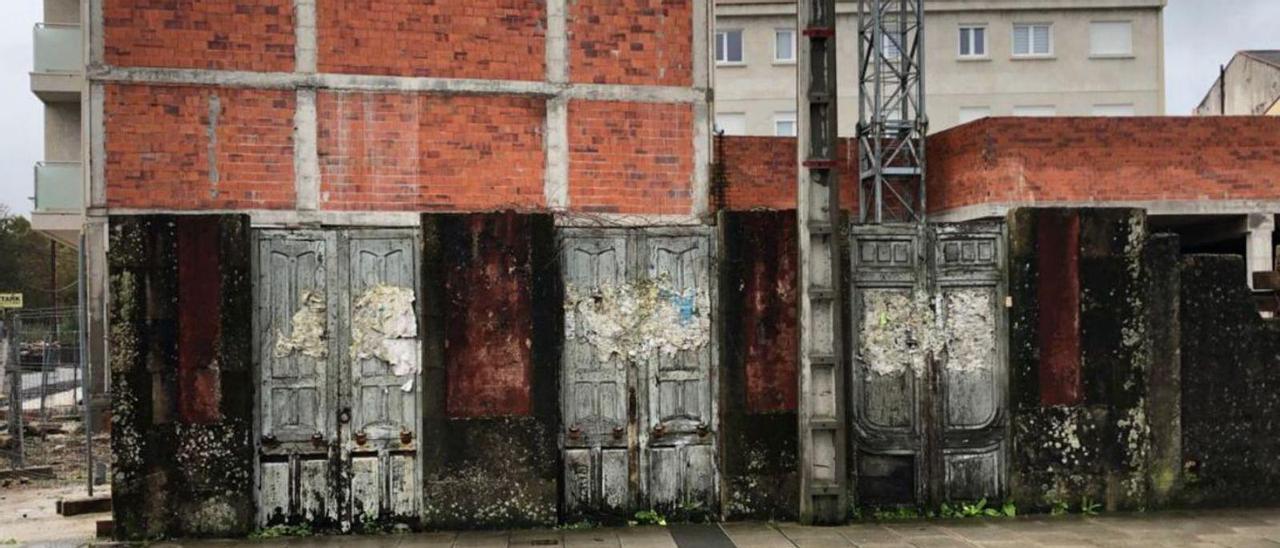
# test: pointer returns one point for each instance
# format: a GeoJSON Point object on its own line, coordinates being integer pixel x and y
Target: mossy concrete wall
{"type": "Point", "coordinates": [757, 308]}
{"type": "Point", "coordinates": [1098, 445]}
{"type": "Point", "coordinates": [493, 334]}
{"type": "Point", "coordinates": [181, 386]}
{"type": "Point", "coordinates": [1230, 387]}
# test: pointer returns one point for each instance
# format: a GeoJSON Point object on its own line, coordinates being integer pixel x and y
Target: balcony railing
{"type": "Point", "coordinates": [59, 187]}
{"type": "Point", "coordinates": [58, 48]}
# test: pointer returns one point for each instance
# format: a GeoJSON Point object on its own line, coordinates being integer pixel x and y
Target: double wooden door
{"type": "Point", "coordinates": [338, 350]}
{"type": "Point", "coordinates": [638, 411]}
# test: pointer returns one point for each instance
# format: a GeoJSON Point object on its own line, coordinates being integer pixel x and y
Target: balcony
{"type": "Point", "coordinates": [58, 67]}
{"type": "Point", "coordinates": [59, 200]}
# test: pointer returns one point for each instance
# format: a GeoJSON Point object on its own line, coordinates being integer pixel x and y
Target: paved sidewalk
{"type": "Point", "coordinates": [1215, 528]}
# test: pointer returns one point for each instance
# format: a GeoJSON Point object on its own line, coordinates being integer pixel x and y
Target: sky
{"type": "Point", "coordinates": [1199, 36]}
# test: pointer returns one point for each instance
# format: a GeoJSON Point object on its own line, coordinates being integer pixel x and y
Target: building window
{"type": "Point", "coordinates": [784, 124]}
{"type": "Point", "coordinates": [969, 114]}
{"type": "Point", "coordinates": [890, 47]}
{"type": "Point", "coordinates": [1032, 40]}
{"type": "Point", "coordinates": [729, 47]}
{"type": "Point", "coordinates": [731, 123]}
{"type": "Point", "coordinates": [973, 41]}
{"type": "Point", "coordinates": [1035, 111]}
{"type": "Point", "coordinates": [1111, 39]}
{"type": "Point", "coordinates": [784, 46]}
{"type": "Point", "coordinates": [1114, 110]}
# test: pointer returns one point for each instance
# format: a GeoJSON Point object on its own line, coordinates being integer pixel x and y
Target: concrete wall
{"type": "Point", "coordinates": [1253, 88]}
{"type": "Point", "coordinates": [62, 132]}
{"type": "Point", "coordinates": [1072, 80]}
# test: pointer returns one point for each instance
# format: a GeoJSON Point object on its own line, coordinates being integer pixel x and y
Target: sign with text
{"type": "Point", "coordinates": [10, 300]}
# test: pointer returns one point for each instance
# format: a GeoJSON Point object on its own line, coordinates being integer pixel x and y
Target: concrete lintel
{"type": "Point", "coordinates": [1153, 207]}
{"type": "Point", "coordinates": [557, 46]}
{"type": "Point", "coordinates": [605, 220]}
{"type": "Point", "coordinates": [703, 22]}
{"type": "Point", "coordinates": [289, 80]}
{"type": "Point", "coordinates": [95, 44]}
{"type": "Point", "coordinates": [306, 157]}
{"type": "Point", "coordinates": [556, 143]}
{"type": "Point", "coordinates": [304, 35]}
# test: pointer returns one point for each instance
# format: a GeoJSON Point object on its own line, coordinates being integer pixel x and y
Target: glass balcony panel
{"type": "Point", "coordinates": [58, 48]}
{"type": "Point", "coordinates": [59, 187]}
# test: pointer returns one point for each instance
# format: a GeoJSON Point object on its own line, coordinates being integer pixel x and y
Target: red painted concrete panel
{"type": "Point", "coordinates": [1058, 295]}
{"type": "Point", "coordinates": [199, 311]}
{"type": "Point", "coordinates": [488, 311]}
{"type": "Point", "coordinates": [768, 321]}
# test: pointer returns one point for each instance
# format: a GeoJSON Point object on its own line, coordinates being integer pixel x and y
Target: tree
{"type": "Point", "coordinates": [24, 264]}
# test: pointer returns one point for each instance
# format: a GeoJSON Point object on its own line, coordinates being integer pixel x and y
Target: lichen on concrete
{"type": "Point", "coordinates": [384, 326]}
{"type": "Point", "coordinates": [635, 319]}
{"type": "Point", "coordinates": [307, 328]}
{"type": "Point", "coordinates": [898, 332]}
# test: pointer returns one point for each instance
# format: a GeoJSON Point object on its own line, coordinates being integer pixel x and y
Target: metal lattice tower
{"type": "Point", "coordinates": [891, 114]}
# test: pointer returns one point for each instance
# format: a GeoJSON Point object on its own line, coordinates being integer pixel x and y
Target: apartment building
{"type": "Point", "coordinates": [982, 58]}
{"type": "Point", "coordinates": [1252, 86]}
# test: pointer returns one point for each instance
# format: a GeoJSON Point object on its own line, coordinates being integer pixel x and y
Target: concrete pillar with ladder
{"type": "Point", "coordinates": [823, 477]}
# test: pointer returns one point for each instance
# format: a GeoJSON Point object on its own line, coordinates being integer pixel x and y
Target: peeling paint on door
{"type": "Point", "coordinates": [638, 317]}
{"type": "Point", "coordinates": [307, 328]}
{"type": "Point", "coordinates": [383, 326]}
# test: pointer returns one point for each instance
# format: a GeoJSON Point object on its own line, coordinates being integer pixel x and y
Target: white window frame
{"type": "Point", "coordinates": [742, 38]}
{"type": "Point", "coordinates": [785, 117]}
{"type": "Point", "coordinates": [960, 41]}
{"type": "Point", "coordinates": [1110, 55]}
{"type": "Point", "coordinates": [779, 60]}
{"type": "Point", "coordinates": [1032, 54]}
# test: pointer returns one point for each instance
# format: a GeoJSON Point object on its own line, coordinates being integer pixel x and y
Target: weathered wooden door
{"type": "Point", "coordinates": [294, 277]}
{"type": "Point", "coordinates": [929, 375]}
{"type": "Point", "coordinates": [638, 376]}
{"type": "Point", "coordinates": [338, 349]}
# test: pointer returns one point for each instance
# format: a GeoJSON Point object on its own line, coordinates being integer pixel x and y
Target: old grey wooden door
{"type": "Point", "coordinates": [638, 380]}
{"type": "Point", "coordinates": [679, 454]}
{"type": "Point", "coordinates": [384, 362]}
{"type": "Point", "coordinates": [337, 348]}
{"type": "Point", "coordinates": [598, 434]}
{"type": "Point", "coordinates": [929, 375]}
{"type": "Point", "coordinates": [294, 350]}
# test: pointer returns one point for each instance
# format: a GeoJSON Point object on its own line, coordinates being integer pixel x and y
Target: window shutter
{"type": "Point", "coordinates": [1041, 39]}
{"type": "Point", "coordinates": [1021, 40]}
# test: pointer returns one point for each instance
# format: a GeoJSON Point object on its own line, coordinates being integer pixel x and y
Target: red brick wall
{"type": "Point", "coordinates": [158, 142]}
{"type": "Point", "coordinates": [648, 42]}
{"type": "Point", "coordinates": [1100, 159]}
{"type": "Point", "coordinates": [252, 35]}
{"type": "Point", "coordinates": [392, 151]}
{"type": "Point", "coordinates": [760, 172]}
{"type": "Point", "coordinates": [630, 157]}
{"type": "Point", "coordinates": [491, 39]}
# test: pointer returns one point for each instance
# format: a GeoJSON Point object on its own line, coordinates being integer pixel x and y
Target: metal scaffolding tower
{"type": "Point", "coordinates": [891, 116]}
{"type": "Point", "coordinates": [823, 481]}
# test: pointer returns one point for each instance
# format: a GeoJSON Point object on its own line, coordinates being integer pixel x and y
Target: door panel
{"type": "Point", "coordinates": [382, 437]}
{"type": "Point", "coordinates": [295, 349]}
{"type": "Point", "coordinates": [594, 385]}
{"type": "Point", "coordinates": [680, 419]}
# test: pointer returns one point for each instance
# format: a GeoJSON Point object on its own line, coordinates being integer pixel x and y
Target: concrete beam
{"type": "Point", "coordinates": [1259, 250]}
{"type": "Point", "coordinates": [350, 82]}
{"type": "Point", "coordinates": [557, 46]}
{"type": "Point", "coordinates": [95, 118]}
{"type": "Point", "coordinates": [286, 218]}
{"type": "Point", "coordinates": [556, 142]}
{"type": "Point", "coordinates": [1153, 207]}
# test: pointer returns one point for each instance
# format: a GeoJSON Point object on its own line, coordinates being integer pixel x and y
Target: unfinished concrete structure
{"type": "Point", "coordinates": [359, 279]}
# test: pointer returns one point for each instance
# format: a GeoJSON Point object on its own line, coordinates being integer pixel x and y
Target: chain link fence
{"type": "Point", "coordinates": [45, 433]}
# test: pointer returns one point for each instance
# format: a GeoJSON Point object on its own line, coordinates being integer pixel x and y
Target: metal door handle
{"type": "Point", "coordinates": [344, 416]}
{"type": "Point", "coordinates": [361, 437]}
{"type": "Point", "coordinates": [659, 430]}
{"type": "Point", "coordinates": [617, 432]}
{"type": "Point", "coordinates": [317, 439]}
{"type": "Point", "coordinates": [406, 437]}
{"type": "Point", "coordinates": [575, 432]}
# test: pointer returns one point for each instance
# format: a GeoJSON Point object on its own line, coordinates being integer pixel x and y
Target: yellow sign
{"type": "Point", "coordinates": [10, 300]}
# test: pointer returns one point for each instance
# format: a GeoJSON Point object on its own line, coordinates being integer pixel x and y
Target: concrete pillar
{"type": "Point", "coordinates": [1259, 252]}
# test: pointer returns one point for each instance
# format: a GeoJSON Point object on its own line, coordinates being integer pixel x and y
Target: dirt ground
{"type": "Point", "coordinates": [28, 514]}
